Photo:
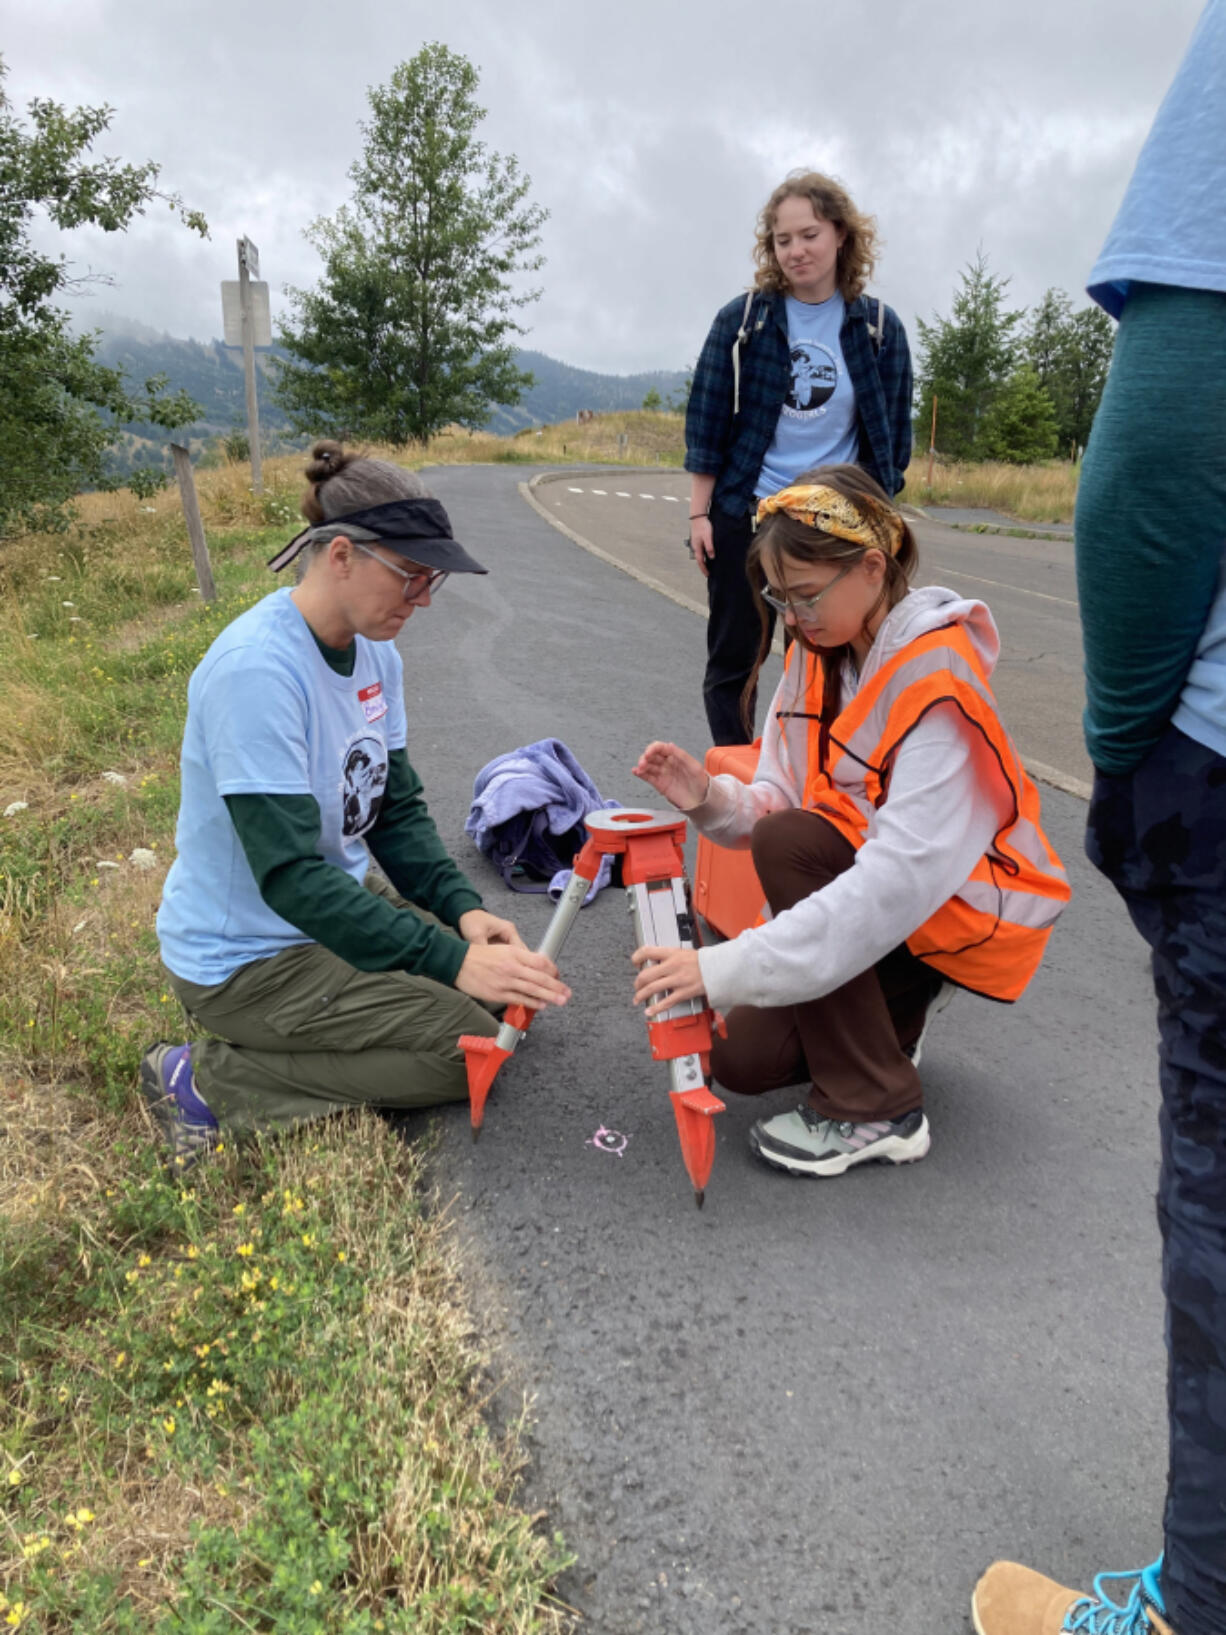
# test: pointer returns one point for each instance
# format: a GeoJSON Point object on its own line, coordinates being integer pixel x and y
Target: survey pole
{"type": "Point", "coordinates": [249, 268]}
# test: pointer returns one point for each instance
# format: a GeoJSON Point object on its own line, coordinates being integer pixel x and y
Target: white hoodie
{"type": "Point", "coordinates": [947, 800]}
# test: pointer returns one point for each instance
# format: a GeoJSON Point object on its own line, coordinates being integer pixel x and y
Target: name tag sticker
{"type": "Point", "coordinates": [372, 700]}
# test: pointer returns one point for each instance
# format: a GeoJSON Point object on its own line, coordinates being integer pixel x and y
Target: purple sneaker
{"type": "Point", "coordinates": [182, 1116]}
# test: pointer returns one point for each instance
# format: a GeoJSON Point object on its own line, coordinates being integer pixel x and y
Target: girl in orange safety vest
{"type": "Point", "coordinates": [893, 828]}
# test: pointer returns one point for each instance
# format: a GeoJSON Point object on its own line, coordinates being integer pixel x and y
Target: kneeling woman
{"type": "Point", "coordinates": [893, 828]}
{"type": "Point", "coordinates": [325, 986]}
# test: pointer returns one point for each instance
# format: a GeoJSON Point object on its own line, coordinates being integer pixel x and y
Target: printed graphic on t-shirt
{"type": "Point", "coordinates": [815, 374]}
{"type": "Point", "coordinates": [365, 779]}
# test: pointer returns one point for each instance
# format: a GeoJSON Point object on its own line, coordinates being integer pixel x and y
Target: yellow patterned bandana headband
{"type": "Point", "coordinates": [862, 521]}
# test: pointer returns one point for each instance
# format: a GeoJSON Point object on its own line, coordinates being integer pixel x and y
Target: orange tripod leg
{"type": "Point", "coordinates": [694, 1111]}
{"type": "Point", "coordinates": [482, 1056]}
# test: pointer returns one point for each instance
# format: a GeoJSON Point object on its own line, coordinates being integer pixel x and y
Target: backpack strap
{"type": "Point", "coordinates": [742, 336]}
{"type": "Point", "coordinates": [876, 332]}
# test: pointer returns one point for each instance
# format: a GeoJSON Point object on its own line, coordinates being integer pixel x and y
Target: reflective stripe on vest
{"type": "Point", "coordinates": [991, 934]}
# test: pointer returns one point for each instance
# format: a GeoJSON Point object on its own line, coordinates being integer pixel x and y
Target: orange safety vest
{"type": "Point", "coordinates": [991, 934]}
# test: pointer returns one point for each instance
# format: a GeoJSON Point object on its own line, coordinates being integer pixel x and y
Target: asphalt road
{"type": "Point", "coordinates": [641, 517]}
{"type": "Point", "coordinates": [814, 1406]}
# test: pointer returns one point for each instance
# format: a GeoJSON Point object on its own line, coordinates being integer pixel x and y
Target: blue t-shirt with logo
{"type": "Point", "coordinates": [817, 425]}
{"type": "Point", "coordinates": [1171, 229]}
{"type": "Point", "coordinates": [267, 716]}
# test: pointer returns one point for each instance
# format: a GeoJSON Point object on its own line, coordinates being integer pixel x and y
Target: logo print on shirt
{"type": "Point", "coordinates": [815, 374]}
{"type": "Point", "coordinates": [372, 701]}
{"type": "Point", "coordinates": [365, 772]}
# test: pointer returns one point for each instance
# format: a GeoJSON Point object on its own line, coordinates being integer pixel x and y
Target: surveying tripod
{"type": "Point", "coordinates": [653, 873]}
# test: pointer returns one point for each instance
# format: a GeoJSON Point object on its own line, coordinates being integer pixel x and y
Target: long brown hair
{"type": "Point", "coordinates": [832, 202]}
{"type": "Point", "coordinates": [783, 536]}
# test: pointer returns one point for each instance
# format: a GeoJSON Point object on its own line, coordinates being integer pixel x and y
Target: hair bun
{"type": "Point", "coordinates": [327, 458]}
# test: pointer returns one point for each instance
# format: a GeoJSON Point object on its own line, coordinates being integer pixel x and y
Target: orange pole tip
{"type": "Point", "coordinates": [694, 1110]}
{"type": "Point", "coordinates": [483, 1058]}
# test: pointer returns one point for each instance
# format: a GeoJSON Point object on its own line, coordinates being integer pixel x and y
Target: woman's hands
{"type": "Point", "coordinates": [673, 969]}
{"type": "Point", "coordinates": [673, 773]}
{"type": "Point", "coordinates": [499, 970]}
{"type": "Point", "coordinates": [480, 926]}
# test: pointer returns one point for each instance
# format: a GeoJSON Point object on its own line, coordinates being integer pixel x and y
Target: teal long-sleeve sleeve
{"type": "Point", "coordinates": [1151, 517]}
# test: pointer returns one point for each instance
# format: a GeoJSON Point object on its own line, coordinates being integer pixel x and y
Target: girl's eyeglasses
{"type": "Point", "coordinates": [430, 579]}
{"type": "Point", "coordinates": [802, 607]}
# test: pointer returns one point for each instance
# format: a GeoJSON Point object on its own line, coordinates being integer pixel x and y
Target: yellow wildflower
{"type": "Point", "coordinates": [240, 1209]}
{"type": "Point", "coordinates": [145, 1260]}
{"type": "Point", "coordinates": [245, 1249]}
{"type": "Point", "coordinates": [168, 1424]}
{"type": "Point", "coordinates": [317, 1588]}
{"type": "Point", "coordinates": [308, 1240]}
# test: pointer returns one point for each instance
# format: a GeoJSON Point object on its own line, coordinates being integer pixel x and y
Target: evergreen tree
{"type": "Point", "coordinates": [964, 360]}
{"type": "Point", "coordinates": [60, 408]}
{"type": "Point", "coordinates": [1071, 354]}
{"type": "Point", "coordinates": [1020, 426]}
{"type": "Point", "coordinates": [412, 326]}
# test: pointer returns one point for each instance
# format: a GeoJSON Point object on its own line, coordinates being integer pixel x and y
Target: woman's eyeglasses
{"type": "Point", "coordinates": [429, 579]}
{"type": "Point", "coordinates": [802, 607]}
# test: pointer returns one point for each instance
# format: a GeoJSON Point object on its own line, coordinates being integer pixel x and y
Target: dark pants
{"type": "Point", "coordinates": [734, 631]}
{"type": "Point", "coordinates": [851, 1043]}
{"type": "Point", "coordinates": [1159, 835]}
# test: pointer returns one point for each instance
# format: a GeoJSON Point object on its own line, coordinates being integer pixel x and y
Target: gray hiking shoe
{"type": "Point", "coordinates": [807, 1144]}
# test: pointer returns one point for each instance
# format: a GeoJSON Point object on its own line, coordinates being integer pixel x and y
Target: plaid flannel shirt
{"type": "Point", "coordinates": [732, 448]}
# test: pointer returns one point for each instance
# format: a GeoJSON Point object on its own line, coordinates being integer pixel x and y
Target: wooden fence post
{"type": "Point", "coordinates": [195, 527]}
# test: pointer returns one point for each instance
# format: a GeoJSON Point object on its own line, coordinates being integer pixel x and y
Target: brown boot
{"type": "Point", "coordinates": [1013, 1600]}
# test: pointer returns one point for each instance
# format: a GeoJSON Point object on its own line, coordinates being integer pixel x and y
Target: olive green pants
{"type": "Point", "coordinates": [303, 1034]}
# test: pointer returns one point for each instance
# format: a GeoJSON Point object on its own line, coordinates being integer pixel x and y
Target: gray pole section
{"type": "Point", "coordinates": [253, 408]}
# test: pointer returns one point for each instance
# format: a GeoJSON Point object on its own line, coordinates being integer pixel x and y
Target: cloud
{"type": "Point", "coordinates": [652, 132]}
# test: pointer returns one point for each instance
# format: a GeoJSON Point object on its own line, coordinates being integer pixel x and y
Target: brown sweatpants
{"type": "Point", "coordinates": [850, 1043]}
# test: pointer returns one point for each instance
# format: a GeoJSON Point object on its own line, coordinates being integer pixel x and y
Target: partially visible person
{"type": "Point", "coordinates": [1151, 564]}
{"type": "Point", "coordinates": [806, 370]}
{"type": "Point", "coordinates": [325, 985]}
{"type": "Point", "coordinates": [893, 827]}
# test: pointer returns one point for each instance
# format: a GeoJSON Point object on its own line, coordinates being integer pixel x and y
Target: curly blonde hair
{"type": "Point", "coordinates": [831, 201]}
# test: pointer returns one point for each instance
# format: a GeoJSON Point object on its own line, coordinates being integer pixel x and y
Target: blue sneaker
{"type": "Point", "coordinates": [182, 1116]}
{"type": "Point", "coordinates": [1014, 1600]}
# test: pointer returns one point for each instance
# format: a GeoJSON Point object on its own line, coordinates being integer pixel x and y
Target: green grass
{"type": "Point", "coordinates": [250, 1401]}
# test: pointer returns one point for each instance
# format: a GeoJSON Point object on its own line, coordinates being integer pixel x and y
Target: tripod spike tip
{"type": "Point", "coordinates": [476, 1134]}
{"type": "Point", "coordinates": [700, 1194]}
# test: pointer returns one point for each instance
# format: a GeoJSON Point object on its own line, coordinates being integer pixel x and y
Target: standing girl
{"type": "Point", "coordinates": [804, 371]}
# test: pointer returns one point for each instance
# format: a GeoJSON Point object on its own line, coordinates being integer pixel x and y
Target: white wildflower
{"type": "Point", "coordinates": [68, 604]}
{"type": "Point", "coordinates": [104, 863]}
{"type": "Point", "coordinates": [15, 806]}
{"type": "Point", "coordinates": [79, 926]}
{"type": "Point", "coordinates": [143, 858]}
{"type": "Point", "coordinates": [114, 777]}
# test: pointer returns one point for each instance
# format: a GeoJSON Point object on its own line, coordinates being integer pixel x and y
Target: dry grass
{"type": "Point", "coordinates": [1039, 493]}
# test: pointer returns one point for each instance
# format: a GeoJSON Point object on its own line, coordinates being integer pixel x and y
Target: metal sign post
{"type": "Point", "coordinates": [248, 269]}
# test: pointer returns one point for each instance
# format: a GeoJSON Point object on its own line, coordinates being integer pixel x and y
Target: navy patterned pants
{"type": "Point", "coordinates": [1159, 835]}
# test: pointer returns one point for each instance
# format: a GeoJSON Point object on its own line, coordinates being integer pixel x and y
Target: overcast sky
{"type": "Point", "coordinates": [653, 131]}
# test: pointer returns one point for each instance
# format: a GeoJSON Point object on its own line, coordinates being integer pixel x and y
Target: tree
{"type": "Point", "coordinates": [60, 409]}
{"type": "Point", "coordinates": [1071, 352]}
{"type": "Point", "coordinates": [1020, 426]}
{"type": "Point", "coordinates": [411, 326]}
{"type": "Point", "coordinates": [653, 401]}
{"type": "Point", "coordinates": [964, 360]}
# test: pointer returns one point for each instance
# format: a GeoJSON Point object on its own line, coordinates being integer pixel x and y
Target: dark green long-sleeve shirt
{"type": "Point", "coordinates": [280, 838]}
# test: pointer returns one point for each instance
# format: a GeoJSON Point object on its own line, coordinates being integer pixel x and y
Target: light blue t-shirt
{"type": "Point", "coordinates": [1171, 229]}
{"type": "Point", "coordinates": [266, 716]}
{"type": "Point", "coordinates": [817, 425]}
